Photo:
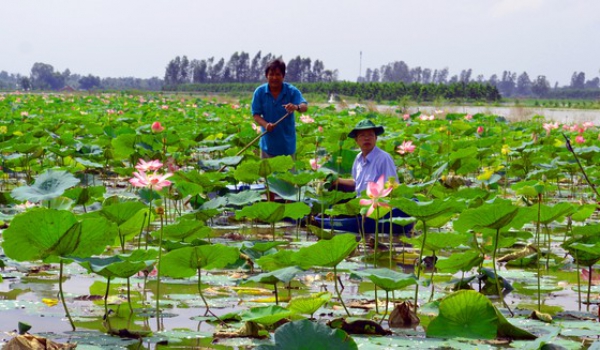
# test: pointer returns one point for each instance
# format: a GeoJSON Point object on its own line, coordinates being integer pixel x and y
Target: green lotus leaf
{"type": "Point", "coordinates": [437, 241]}
{"type": "Point", "coordinates": [86, 195]}
{"type": "Point", "coordinates": [185, 230]}
{"type": "Point", "coordinates": [247, 172]}
{"type": "Point", "coordinates": [284, 275]}
{"type": "Point", "coordinates": [299, 179]}
{"type": "Point", "coordinates": [304, 334]}
{"type": "Point", "coordinates": [583, 212]}
{"type": "Point", "coordinates": [47, 234]}
{"type": "Point", "coordinates": [466, 314]}
{"type": "Point", "coordinates": [387, 279]}
{"type": "Point", "coordinates": [493, 215]}
{"type": "Point", "coordinates": [425, 211]}
{"type": "Point", "coordinates": [308, 304]}
{"type": "Point", "coordinates": [265, 315]}
{"type": "Point", "coordinates": [263, 247]}
{"type": "Point", "coordinates": [123, 145]}
{"type": "Point", "coordinates": [270, 212]}
{"type": "Point", "coordinates": [459, 262]}
{"type": "Point", "coordinates": [296, 210]}
{"type": "Point", "coordinates": [48, 185]}
{"type": "Point", "coordinates": [186, 262]}
{"type": "Point", "coordinates": [243, 198]}
{"type": "Point", "coordinates": [281, 259]}
{"type": "Point", "coordinates": [122, 266]}
{"type": "Point", "coordinates": [217, 163]}
{"type": "Point", "coordinates": [326, 253]}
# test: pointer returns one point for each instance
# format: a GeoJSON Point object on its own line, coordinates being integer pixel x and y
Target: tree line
{"type": "Point", "coordinates": [44, 77]}
{"type": "Point", "coordinates": [240, 68]}
{"type": "Point", "coordinates": [509, 84]}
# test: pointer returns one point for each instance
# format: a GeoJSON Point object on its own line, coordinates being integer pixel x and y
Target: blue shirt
{"type": "Point", "coordinates": [282, 140]}
{"type": "Point", "coordinates": [367, 170]}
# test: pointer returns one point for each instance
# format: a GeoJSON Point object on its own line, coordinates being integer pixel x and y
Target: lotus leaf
{"type": "Point", "coordinates": [47, 234]}
{"type": "Point", "coordinates": [48, 185]}
{"type": "Point", "coordinates": [304, 334]}
{"type": "Point", "coordinates": [326, 253]}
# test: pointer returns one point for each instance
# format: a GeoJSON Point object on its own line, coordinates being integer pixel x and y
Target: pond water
{"type": "Point", "coordinates": [21, 295]}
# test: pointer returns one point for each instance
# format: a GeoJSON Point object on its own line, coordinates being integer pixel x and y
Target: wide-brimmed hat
{"type": "Point", "coordinates": [366, 124]}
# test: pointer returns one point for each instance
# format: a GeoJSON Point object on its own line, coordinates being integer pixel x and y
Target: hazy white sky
{"type": "Point", "coordinates": [119, 38]}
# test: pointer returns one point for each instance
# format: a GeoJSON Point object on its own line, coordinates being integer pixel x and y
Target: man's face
{"type": "Point", "coordinates": [366, 140]}
{"type": "Point", "coordinates": [275, 78]}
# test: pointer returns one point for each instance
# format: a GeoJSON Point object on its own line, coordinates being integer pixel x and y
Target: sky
{"type": "Point", "coordinates": [138, 38]}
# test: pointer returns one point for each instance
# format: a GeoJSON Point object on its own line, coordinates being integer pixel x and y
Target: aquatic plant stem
{"type": "Point", "coordinates": [158, 265]}
{"type": "Point", "coordinates": [106, 303]}
{"type": "Point", "coordinates": [387, 301]}
{"type": "Point", "coordinates": [62, 296]}
{"type": "Point", "coordinates": [496, 276]}
{"type": "Point", "coordinates": [539, 252]}
{"type": "Point", "coordinates": [590, 272]}
{"type": "Point", "coordinates": [570, 148]}
{"type": "Point", "coordinates": [432, 272]}
{"type": "Point", "coordinates": [418, 267]}
{"type": "Point", "coordinates": [337, 291]}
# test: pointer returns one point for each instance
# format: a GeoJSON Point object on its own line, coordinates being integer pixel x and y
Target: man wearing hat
{"type": "Point", "coordinates": [371, 162]}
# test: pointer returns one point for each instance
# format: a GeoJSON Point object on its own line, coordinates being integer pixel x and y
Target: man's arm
{"type": "Point", "coordinates": [262, 122]}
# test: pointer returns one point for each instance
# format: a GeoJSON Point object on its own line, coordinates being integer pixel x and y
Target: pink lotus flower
{"type": "Point", "coordinates": [153, 181]}
{"type": "Point", "coordinates": [426, 117]}
{"type": "Point", "coordinates": [24, 114]}
{"type": "Point", "coordinates": [579, 139]}
{"type": "Point", "coordinates": [305, 118]}
{"type": "Point", "coordinates": [587, 125]}
{"type": "Point", "coordinates": [549, 127]}
{"type": "Point", "coordinates": [256, 128]}
{"type": "Point", "coordinates": [376, 191]}
{"type": "Point", "coordinates": [156, 127]}
{"type": "Point", "coordinates": [320, 129]}
{"type": "Point", "coordinates": [405, 148]}
{"type": "Point", "coordinates": [172, 165]}
{"type": "Point", "coordinates": [314, 164]}
{"type": "Point", "coordinates": [480, 129]}
{"type": "Point", "coordinates": [406, 117]}
{"type": "Point", "coordinates": [585, 275]}
{"type": "Point", "coordinates": [152, 165]}
{"type": "Point", "coordinates": [165, 107]}
{"type": "Point", "coordinates": [468, 117]}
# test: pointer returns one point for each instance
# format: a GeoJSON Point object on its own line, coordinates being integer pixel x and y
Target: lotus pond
{"type": "Point", "coordinates": [141, 222]}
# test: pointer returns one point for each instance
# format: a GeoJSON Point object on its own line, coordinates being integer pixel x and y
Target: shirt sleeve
{"type": "Point", "coordinates": [257, 103]}
{"type": "Point", "coordinates": [389, 168]}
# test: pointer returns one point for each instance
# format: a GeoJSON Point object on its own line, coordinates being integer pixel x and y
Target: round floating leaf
{"type": "Point", "coordinates": [493, 215]}
{"type": "Point", "coordinates": [270, 212]}
{"type": "Point", "coordinates": [281, 259]}
{"type": "Point", "coordinates": [308, 304]}
{"type": "Point", "coordinates": [425, 211]}
{"type": "Point", "coordinates": [326, 253]}
{"type": "Point", "coordinates": [48, 185]}
{"type": "Point", "coordinates": [186, 262]}
{"type": "Point", "coordinates": [304, 334]}
{"type": "Point", "coordinates": [185, 230]}
{"type": "Point", "coordinates": [47, 233]}
{"type": "Point", "coordinates": [282, 275]}
{"type": "Point", "coordinates": [466, 314]}
{"type": "Point", "coordinates": [265, 315]}
{"type": "Point", "coordinates": [387, 279]}
{"type": "Point", "coordinates": [459, 262]}
{"type": "Point", "coordinates": [122, 266]}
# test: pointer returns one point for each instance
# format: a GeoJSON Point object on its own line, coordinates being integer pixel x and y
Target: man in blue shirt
{"type": "Point", "coordinates": [270, 102]}
{"type": "Point", "coordinates": [371, 162]}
